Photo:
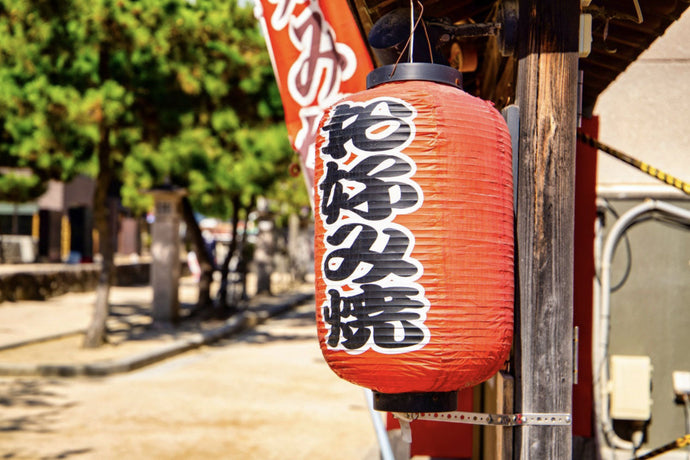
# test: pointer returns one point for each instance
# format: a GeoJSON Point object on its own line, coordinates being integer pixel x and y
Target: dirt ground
{"type": "Point", "coordinates": [266, 394]}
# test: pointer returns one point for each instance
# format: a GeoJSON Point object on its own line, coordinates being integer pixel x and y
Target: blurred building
{"type": "Point", "coordinates": [58, 227]}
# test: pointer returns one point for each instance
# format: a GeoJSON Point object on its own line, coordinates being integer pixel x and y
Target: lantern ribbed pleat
{"type": "Point", "coordinates": [459, 259]}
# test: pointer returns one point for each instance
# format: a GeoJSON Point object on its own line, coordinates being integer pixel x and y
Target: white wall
{"type": "Point", "coordinates": [646, 111]}
{"type": "Point", "coordinates": [646, 114]}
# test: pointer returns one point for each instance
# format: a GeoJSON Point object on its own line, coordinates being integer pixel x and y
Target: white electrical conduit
{"type": "Point", "coordinates": [602, 313]}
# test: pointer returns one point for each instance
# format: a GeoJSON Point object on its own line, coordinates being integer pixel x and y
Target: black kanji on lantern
{"type": "Point", "coordinates": [374, 300]}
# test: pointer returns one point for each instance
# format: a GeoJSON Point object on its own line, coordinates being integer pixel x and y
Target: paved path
{"type": "Point", "coordinates": [44, 337]}
{"type": "Point", "coordinates": [264, 394]}
{"type": "Point", "coordinates": [252, 387]}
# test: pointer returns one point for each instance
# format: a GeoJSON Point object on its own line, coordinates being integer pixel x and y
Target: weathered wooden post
{"type": "Point", "coordinates": [547, 97]}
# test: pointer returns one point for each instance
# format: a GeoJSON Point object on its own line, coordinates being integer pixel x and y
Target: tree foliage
{"type": "Point", "coordinates": [230, 141]}
{"type": "Point", "coordinates": [140, 92]}
{"type": "Point", "coordinates": [46, 125]}
{"type": "Point", "coordinates": [187, 93]}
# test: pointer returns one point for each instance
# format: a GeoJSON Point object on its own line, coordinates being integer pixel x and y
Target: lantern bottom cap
{"type": "Point", "coordinates": [446, 401]}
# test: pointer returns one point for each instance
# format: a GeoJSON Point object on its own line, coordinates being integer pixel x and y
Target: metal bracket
{"type": "Point", "coordinates": [476, 418]}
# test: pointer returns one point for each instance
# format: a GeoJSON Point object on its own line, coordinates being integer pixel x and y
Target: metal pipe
{"type": "Point", "coordinates": [379, 429]}
{"type": "Point", "coordinates": [602, 313]}
{"type": "Point", "coordinates": [412, 27]}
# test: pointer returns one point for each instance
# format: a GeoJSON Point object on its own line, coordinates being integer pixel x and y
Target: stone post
{"type": "Point", "coordinates": [165, 252]}
{"type": "Point", "coordinates": [263, 254]}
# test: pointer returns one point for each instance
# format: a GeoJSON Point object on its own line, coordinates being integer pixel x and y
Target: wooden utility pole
{"type": "Point", "coordinates": [547, 97]}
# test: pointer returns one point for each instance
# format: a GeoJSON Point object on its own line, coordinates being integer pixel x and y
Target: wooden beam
{"type": "Point", "coordinates": [547, 97]}
{"type": "Point", "coordinates": [497, 441]}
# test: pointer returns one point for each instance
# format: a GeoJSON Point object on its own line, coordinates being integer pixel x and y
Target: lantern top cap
{"type": "Point", "coordinates": [421, 71]}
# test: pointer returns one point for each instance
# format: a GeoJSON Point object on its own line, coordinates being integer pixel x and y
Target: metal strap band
{"type": "Point", "coordinates": [476, 418]}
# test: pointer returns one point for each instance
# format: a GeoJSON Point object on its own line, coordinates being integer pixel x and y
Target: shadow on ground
{"type": "Point", "coordinates": [131, 321]}
{"type": "Point", "coordinates": [39, 396]}
{"type": "Point", "coordinates": [298, 318]}
{"type": "Point", "coordinates": [41, 404]}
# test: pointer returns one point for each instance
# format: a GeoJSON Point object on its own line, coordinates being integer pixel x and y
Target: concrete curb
{"type": "Point", "coordinates": [45, 338]}
{"type": "Point", "coordinates": [258, 314]}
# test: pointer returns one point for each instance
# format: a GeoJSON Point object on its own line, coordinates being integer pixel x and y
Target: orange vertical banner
{"type": "Point", "coordinates": [318, 56]}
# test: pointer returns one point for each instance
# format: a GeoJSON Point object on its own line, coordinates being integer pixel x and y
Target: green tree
{"type": "Point", "coordinates": [42, 132]}
{"type": "Point", "coordinates": [144, 92]}
{"type": "Point", "coordinates": [232, 145]}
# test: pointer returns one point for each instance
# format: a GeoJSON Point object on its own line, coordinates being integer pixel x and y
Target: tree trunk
{"type": "Point", "coordinates": [225, 269]}
{"type": "Point", "coordinates": [204, 258]}
{"type": "Point", "coordinates": [96, 332]}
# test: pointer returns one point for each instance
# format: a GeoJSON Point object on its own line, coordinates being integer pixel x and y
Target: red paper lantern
{"type": "Point", "coordinates": [414, 238]}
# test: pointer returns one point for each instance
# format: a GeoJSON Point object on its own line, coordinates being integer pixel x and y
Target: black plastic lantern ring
{"type": "Point", "coordinates": [421, 71]}
{"type": "Point", "coordinates": [416, 402]}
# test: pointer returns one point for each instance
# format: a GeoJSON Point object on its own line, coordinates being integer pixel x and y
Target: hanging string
{"type": "Point", "coordinates": [426, 34]}
{"type": "Point", "coordinates": [410, 39]}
